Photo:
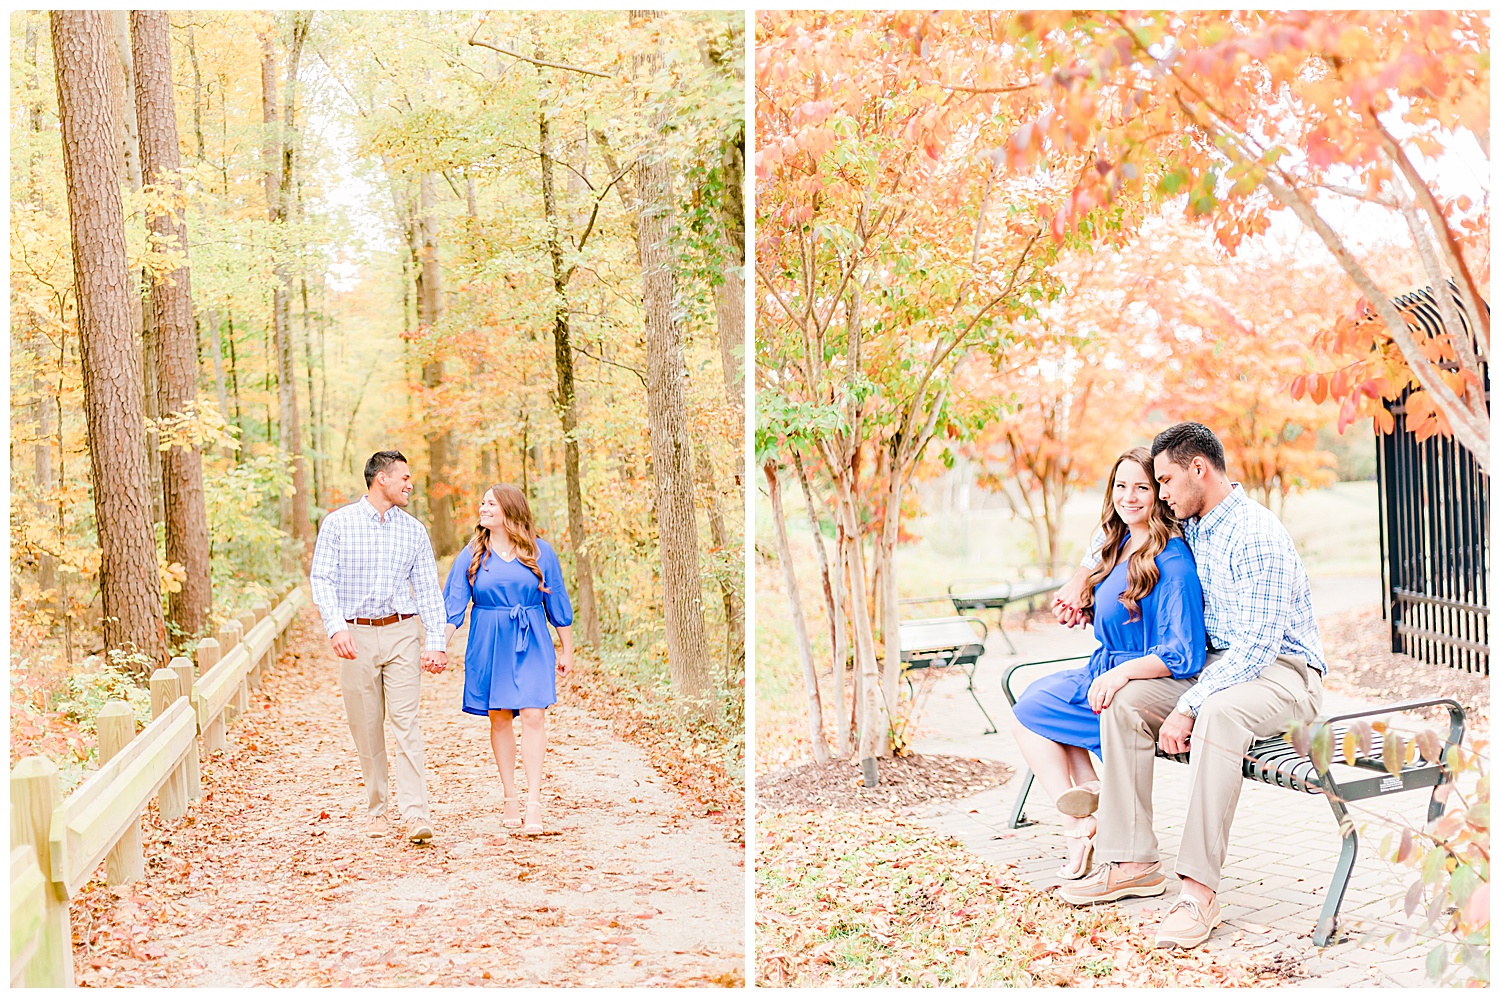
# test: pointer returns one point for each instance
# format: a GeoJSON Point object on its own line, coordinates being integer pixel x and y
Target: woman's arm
{"type": "Point", "coordinates": [565, 654]}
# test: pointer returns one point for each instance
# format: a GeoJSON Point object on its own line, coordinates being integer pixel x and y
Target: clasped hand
{"type": "Point", "coordinates": [434, 661]}
{"type": "Point", "coordinates": [1103, 689]}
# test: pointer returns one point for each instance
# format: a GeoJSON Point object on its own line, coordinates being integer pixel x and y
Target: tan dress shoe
{"type": "Point", "coordinates": [1107, 883]}
{"type": "Point", "coordinates": [1188, 923]}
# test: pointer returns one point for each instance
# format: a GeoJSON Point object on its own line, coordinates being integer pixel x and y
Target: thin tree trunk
{"type": "Point", "coordinates": [172, 318]}
{"type": "Point", "coordinates": [832, 602]}
{"type": "Point", "coordinates": [734, 614]}
{"type": "Point", "coordinates": [671, 465]}
{"type": "Point", "coordinates": [842, 706]}
{"type": "Point", "coordinates": [216, 353]}
{"type": "Point", "coordinates": [729, 296]}
{"type": "Point", "coordinates": [873, 722]}
{"type": "Point", "coordinates": [799, 621]}
{"type": "Point", "coordinates": [42, 449]}
{"type": "Point", "coordinates": [429, 311]}
{"type": "Point", "coordinates": [567, 410]}
{"type": "Point", "coordinates": [128, 578]}
{"type": "Point", "coordinates": [234, 387]}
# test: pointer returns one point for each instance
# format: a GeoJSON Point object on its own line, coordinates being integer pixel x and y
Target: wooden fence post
{"type": "Point", "coordinates": [33, 798]}
{"type": "Point", "coordinates": [116, 724]}
{"type": "Point", "coordinates": [213, 732]}
{"type": "Point", "coordinates": [184, 669]}
{"type": "Point", "coordinates": [252, 678]}
{"type": "Point", "coordinates": [172, 799]}
{"type": "Point", "coordinates": [263, 610]}
{"type": "Point", "coordinates": [229, 636]}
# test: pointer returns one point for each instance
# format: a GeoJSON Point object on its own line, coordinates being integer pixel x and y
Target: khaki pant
{"type": "Point", "coordinates": [1227, 723]}
{"type": "Point", "coordinates": [385, 676]}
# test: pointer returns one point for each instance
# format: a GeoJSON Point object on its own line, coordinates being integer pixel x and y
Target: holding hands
{"type": "Point", "coordinates": [434, 661]}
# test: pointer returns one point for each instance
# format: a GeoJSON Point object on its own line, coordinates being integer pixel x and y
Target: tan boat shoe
{"type": "Point", "coordinates": [378, 827]}
{"type": "Point", "coordinates": [1107, 883]}
{"type": "Point", "coordinates": [1188, 923]}
{"type": "Point", "coordinates": [419, 830]}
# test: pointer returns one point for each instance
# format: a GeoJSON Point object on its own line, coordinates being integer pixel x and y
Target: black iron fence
{"type": "Point", "coordinates": [1434, 536]}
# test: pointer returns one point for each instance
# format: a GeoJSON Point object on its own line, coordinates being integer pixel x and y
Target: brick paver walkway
{"type": "Point", "coordinates": [1282, 848]}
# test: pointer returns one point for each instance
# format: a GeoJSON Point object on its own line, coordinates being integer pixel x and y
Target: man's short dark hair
{"type": "Point", "coordinates": [379, 461]}
{"type": "Point", "coordinates": [1185, 441]}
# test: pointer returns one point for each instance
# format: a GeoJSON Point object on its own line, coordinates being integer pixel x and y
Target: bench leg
{"type": "Point", "coordinates": [1327, 921]}
{"type": "Point", "coordinates": [1000, 626]}
{"type": "Point", "coordinates": [991, 730]}
{"type": "Point", "coordinates": [1018, 817]}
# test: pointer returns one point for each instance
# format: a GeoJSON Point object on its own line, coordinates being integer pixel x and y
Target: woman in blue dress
{"type": "Point", "coordinates": [1147, 606]}
{"type": "Point", "coordinates": [515, 583]}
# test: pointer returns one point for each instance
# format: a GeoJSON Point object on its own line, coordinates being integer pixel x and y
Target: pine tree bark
{"type": "Point", "coordinates": [172, 318]}
{"type": "Point", "coordinates": [129, 582]}
{"type": "Point", "coordinates": [429, 311]}
{"type": "Point", "coordinates": [562, 349]}
{"type": "Point", "coordinates": [688, 659]}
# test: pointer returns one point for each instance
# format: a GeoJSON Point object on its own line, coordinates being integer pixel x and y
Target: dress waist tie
{"type": "Point", "coordinates": [521, 617]}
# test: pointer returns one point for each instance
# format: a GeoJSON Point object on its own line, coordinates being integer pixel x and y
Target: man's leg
{"type": "Point", "coordinates": [1228, 722]}
{"type": "Point", "coordinates": [1128, 728]}
{"type": "Point", "coordinates": [403, 694]}
{"type": "Point", "coordinates": [364, 702]}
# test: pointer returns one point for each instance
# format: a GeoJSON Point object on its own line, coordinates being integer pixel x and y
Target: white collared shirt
{"type": "Point", "coordinates": [369, 565]}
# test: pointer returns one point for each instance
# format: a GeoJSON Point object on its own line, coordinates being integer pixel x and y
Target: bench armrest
{"type": "Point", "coordinates": [1013, 669]}
{"type": "Point", "coordinates": [1455, 714]}
{"type": "Point", "coordinates": [1455, 722]}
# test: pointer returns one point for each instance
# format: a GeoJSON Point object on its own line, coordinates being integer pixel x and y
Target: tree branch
{"type": "Point", "coordinates": [474, 40]}
{"type": "Point", "coordinates": [612, 363]}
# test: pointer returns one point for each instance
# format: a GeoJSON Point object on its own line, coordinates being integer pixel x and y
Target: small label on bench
{"type": "Point", "coordinates": [1391, 783]}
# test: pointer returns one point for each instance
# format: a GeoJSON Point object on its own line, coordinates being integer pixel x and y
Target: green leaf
{"type": "Point", "coordinates": [1436, 961]}
{"type": "Point", "coordinates": [1322, 747]}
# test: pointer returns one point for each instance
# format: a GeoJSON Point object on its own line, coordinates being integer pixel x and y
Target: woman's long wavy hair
{"type": "Point", "coordinates": [518, 528]}
{"type": "Point", "coordinates": [1141, 574]}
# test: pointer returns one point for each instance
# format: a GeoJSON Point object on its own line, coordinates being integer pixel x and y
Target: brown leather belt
{"type": "Point", "coordinates": [380, 621]}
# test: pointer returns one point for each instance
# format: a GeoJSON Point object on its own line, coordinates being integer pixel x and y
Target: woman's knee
{"type": "Point", "coordinates": [532, 717]}
{"type": "Point", "coordinates": [500, 718]}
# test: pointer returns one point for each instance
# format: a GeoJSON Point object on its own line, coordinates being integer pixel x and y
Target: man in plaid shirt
{"type": "Point", "coordinates": [1264, 669]}
{"type": "Point", "coordinates": [373, 575]}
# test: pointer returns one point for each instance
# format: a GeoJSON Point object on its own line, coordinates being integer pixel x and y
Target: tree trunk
{"type": "Point", "coordinates": [429, 311]}
{"type": "Point", "coordinates": [41, 450]}
{"type": "Point", "coordinates": [128, 579]}
{"type": "Point", "coordinates": [734, 614]}
{"type": "Point", "coordinates": [873, 723]}
{"type": "Point", "coordinates": [562, 352]}
{"type": "Point", "coordinates": [799, 622]}
{"type": "Point", "coordinates": [729, 296]}
{"type": "Point", "coordinates": [172, 318]}
{"type": "Point", "coordinates": [666, 408]}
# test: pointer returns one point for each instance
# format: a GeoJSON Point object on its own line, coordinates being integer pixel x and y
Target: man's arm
{"type": "Point", "coordinates": [323, 577]}
{"type": "Point", "coordinates": [1264, 574]}
{"type": "Point", "coordinates": [1067, 601]}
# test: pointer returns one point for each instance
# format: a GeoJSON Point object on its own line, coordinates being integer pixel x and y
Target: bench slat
{"type": "Point", "coordinates": [86, 826]}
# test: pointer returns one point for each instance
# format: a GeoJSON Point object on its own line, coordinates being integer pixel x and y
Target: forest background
{"type": "Point", "coordinates": [419, 230]}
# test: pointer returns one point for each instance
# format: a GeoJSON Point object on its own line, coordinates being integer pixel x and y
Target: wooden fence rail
{"type": "Point", "coordinates": [58, 843]}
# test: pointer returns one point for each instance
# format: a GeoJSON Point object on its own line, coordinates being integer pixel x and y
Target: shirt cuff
{"type": "Point", "coordinates": [1188, 704]}
{"type": "Point", "coordinates": [435, 642]}
{"type": "Point", "coordinates": [335, 627]}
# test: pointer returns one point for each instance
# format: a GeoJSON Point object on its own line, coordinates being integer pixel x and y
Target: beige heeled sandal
{"type": "Point", "coordinates": [511, 822]}
{"type": "Point", "coordinates": [1068, 873]}
{"type": "Point", "coordinates": [529, 827]}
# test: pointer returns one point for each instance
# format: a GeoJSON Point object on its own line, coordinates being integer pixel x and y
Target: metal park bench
{"type": "Point", "coordinates": [966, 596]}
{"type": "Point", "coordinates": [941, 642]}
{"type": "Point", "coordinates": [1275, 762]}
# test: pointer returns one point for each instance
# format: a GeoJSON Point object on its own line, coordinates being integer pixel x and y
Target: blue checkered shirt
{"type": "Point", "coordinates": [366, 565]}
{"type": "Point", "coordinates": [1257, 600]}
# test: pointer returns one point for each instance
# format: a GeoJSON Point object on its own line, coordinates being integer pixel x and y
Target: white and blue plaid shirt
{"type": "Point", "coordinates": [1257, 602]}
{"type": "Point", "coordinates": [366, 565]}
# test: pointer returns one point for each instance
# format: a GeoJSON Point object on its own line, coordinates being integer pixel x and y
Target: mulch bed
{"type": "Point", "coordinates": [1361, 663]}
{"type": "Point", "coordinates": [905, 782]}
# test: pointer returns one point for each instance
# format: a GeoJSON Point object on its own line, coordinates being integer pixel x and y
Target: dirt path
{"type": "Point", "coordinates": [269, 881]}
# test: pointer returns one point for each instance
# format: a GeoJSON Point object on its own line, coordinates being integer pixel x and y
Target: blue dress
{"type": "Point", "coordinates": [1170, 626]}
{"type": "Point", "coordinates": [509, 663]}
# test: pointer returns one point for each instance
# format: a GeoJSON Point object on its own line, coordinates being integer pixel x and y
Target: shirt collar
{"type": "Point", "coordinates": [370, 511]}
{"type": "Point", "coordinates": [1226, 508]}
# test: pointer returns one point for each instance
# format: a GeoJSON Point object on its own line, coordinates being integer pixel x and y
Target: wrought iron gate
{"type": "Point", "coordinates": [1434, 537]}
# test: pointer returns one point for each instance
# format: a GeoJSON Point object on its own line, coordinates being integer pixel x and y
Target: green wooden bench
{"type": "Point", "coordinates": [1275, 762]}
{"type": "Point", "coordinates": [942, 642]}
